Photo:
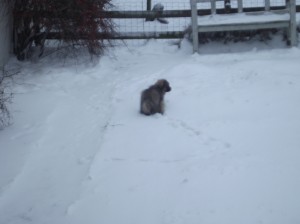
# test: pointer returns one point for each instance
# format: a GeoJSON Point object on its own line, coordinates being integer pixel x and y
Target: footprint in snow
{"type": "Point", "coordinates": [208, 140]}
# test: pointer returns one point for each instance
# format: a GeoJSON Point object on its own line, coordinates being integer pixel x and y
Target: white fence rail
{"type": "Point", "coordinates": [267, 19]}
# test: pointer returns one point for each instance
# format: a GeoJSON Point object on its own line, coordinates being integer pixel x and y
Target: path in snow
{"type": "Point", "coordinates": [226, 151]}
{"type": "Point", "coordinates": [217, 155]}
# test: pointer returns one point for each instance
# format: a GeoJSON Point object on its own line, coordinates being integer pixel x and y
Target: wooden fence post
{"type": "Point", "coordinates": [194, 21]}
{"type": "Point", "coordinates": [267, 5]}
{"type": "Point", "coordinates": [240, 6]}
{"type": "Point", "coordinates": [213, 7]}
{"type": "Point", "coordinates": [148, 5]}
{"type": "Point", "coordinates": [293, 23]}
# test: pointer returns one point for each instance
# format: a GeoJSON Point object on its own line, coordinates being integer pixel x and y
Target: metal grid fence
{"type": "Point", "coordinates": [142, 25]}
{"type": "Point", "coordinates": [180, 24]}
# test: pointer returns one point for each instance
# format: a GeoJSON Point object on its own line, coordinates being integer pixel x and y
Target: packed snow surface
{"type": "Point", "coordinates": [226, 151]}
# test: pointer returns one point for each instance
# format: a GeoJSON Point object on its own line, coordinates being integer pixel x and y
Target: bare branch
{"type": "Point", "coordinates": [77, 22]}
{"type": "Point", "coordinates": [5, 96]}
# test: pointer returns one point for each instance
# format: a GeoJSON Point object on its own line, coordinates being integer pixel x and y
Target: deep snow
{"type": "Point", "coordinates": [226, 150]}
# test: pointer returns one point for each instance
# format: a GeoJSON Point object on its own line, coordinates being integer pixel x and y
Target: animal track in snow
{"type": "Point", "coordinates": [184, 126]}
{"type": "Point", "coordinates": [207, 140]}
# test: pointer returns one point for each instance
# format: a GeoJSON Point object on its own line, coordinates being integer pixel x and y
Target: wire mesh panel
{"type": "Point", "coordinates": [142, 25]}
{"type": "Point", "coordinates": [142, 4]}
{"type": "Point", "coordinates": [144, 28]}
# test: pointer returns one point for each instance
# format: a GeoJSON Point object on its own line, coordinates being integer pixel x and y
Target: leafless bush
{"type": "Point", "coordinates": [77, 22]}
{"type": "Point", "coordinates": [5, 97]}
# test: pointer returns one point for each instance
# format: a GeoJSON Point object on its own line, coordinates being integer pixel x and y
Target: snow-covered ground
{"type": "Point", "coordinates": [226, 150]}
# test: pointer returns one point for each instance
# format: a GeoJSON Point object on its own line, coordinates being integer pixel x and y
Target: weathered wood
{"type": "Point", "coordinates": [213, 7]}
{"type": "Point", "coordinates": [267, 5]}
{"type": "Point", "coordinates": [240, 5]}
{"type": "Point", "coordinates": [198, 1]}
{"type": "Point", "coordinates": [242, 26]}
{"type": "Point", "coordinates": [194, 25]}
{"type": "Point", "coordinates": [166, 13]}
{"type": "Point", "coordinates": [127, 35]}
{"type": "Point", "coordinates": [148, 5]}
{"type": "Point", "coordinates": [289, 22]}
{"type": "Point", "coordinates": [292, 32]}
{"type": "Point", "coordinates": [146, 14]}
{"type": "Point", "coordinates": [169, 14]}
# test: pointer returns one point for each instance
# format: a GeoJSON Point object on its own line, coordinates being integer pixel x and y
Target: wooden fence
{"type": "Point", "coordinates": [149, 15]}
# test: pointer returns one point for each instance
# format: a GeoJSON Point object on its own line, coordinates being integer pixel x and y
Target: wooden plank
{"type": "Point", "coordinates": [203, 1]}
{"type": "Point", "coordinates": [279, 12]}
{"type": "Point", "coordinates": [293, 24]}
{"type": "Point", "coordinates": [145, 14]}
{"type": "Point", "coordinates": [240, 6]}
{"type": "Point", "coordinates": [149, 14]}
{"type": "Point", "coordinates": [267, 5]}
{"type": "Point", "coordinates": [194, 22]}
{"type": "Point", "coordinates": [242, 26]}
{"type": "Point", "coordinates": [127, 35]}
{"type": "Point", "coordinates": [289, 23]}
{"type": "Point", "coordinates": [213, 6]}
{"type": "Point", "coordinates": [149, 5]}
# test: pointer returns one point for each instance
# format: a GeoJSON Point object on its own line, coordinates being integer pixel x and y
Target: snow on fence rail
{"type": "Point", "coordinates": [268, 19]}
{"type": "Point", "coordinates": [133, 21]}
{"type": "Point", "coordinates": [142, 24]}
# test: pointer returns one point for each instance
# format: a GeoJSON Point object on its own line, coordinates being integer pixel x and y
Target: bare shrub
{"type": "Point", "coordinates": [77, 22]}
{"type": "Point", "coordinates": [5, 98]}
